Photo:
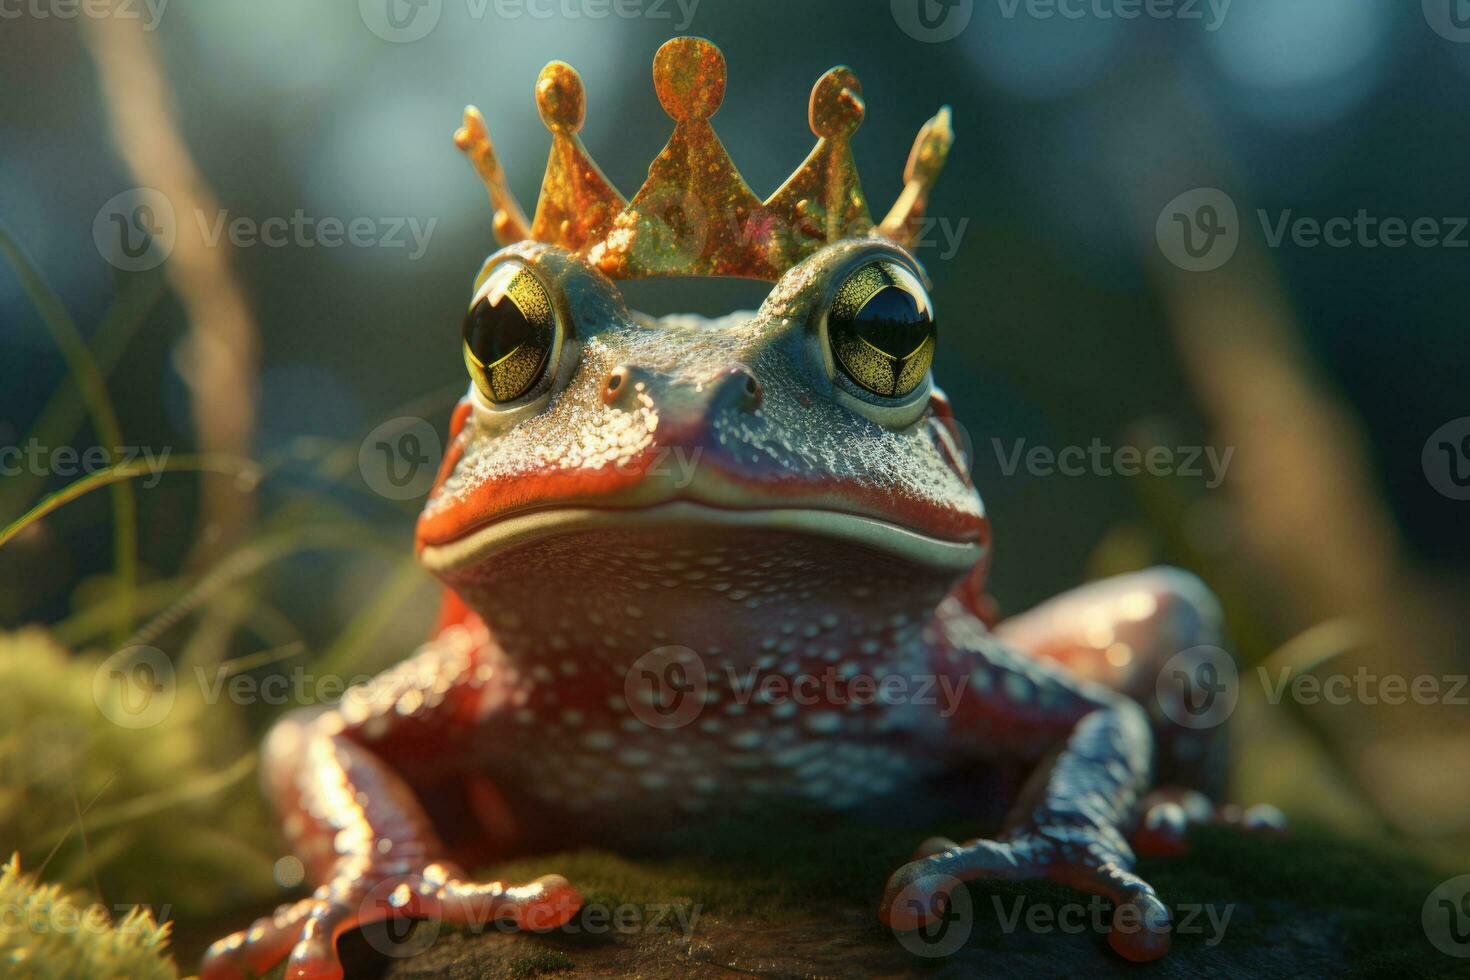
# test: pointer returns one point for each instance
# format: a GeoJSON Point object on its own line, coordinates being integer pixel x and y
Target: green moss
{"type": "Point", "coordinates": [48, 935]}
{"type": "Point", "coordinates": [148, 795]}
{"type": "Point", "coordinates": [1353, 902]}
{"type": "Point", "coordinates": [538, 961]}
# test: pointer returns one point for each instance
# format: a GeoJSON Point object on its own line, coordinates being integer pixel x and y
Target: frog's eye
{"type": "Point", "coordinates": [881, 328]}
{"type": "Point", "coordinates": [509, 333]}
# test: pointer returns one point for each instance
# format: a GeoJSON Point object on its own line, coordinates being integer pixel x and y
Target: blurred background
{"type": "Point", "coordinates": [1118, 256]}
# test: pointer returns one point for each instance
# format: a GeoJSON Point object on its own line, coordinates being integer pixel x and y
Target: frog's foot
{"type": "Point", "coordinates": [1169, 813]}
{"type": "Point", "coordinates": [1090, 859]}
{"type": "Point", "coordinates": [307, 931]}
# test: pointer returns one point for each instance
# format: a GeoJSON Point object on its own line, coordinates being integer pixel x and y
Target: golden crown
{"type": "Point", "coordinates": [695, 215]}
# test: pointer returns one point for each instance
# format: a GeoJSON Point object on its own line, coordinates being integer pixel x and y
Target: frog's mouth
{"type": "Point", "coordinates": [865, 531]}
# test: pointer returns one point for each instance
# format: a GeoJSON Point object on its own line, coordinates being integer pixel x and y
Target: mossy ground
{"type": "Point", "coordinates": [768, 900]}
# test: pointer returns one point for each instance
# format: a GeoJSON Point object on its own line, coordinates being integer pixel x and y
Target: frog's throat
{"type": "Point", "coordinates": [740, 587]}
{"type": "Point", "coordinates": [866, 532]}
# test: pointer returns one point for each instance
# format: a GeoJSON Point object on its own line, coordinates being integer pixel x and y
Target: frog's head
{"type": "Point", "coordinates": [778, 461]}
{"type": "Point", "coordinates": [810, 426]}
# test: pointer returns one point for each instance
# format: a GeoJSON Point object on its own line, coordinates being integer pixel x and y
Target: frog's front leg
{"type": "Point", "coordinates": [1070, 822]}
{"type": "Point", "coordinates": [338, 780]}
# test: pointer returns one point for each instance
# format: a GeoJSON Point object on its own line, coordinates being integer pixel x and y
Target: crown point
{"type": "Point", "coordinates": [473, 129]}
{"type": "Point", "coordinates": [561, 98]}
{"type": "Point", "coordinates": [836, 108]}
{"type": "Point", "coordinates": [689, 77]}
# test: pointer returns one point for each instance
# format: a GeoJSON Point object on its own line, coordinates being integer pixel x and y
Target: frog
{"type": "Point", "coordinates": [651, 530]}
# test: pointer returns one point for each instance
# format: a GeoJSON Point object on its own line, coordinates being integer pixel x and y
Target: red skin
{"type": "Point", "coordinates": [517, 723]}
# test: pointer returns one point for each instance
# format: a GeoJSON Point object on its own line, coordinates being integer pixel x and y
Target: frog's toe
{"type": "Point", "coordinates": [253, 951]}
{"type": "Point", "coordinates": [1169, 814]}
{"type": "Point", "coordinates": [308, 931]}
{"type": "Point", "coordinates": [546, 903]}
{"type": "Point", "coordinates": [1141, 923]}
{"type": "Point", "coordinates": [918, 893]}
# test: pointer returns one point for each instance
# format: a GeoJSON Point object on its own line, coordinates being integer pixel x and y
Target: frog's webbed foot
{"type": "Point", "coordinates": [359, 894]}
{"type": "Point", "coordinates": [1170, 812]}
{"type": "Point", "coordinates": [1090, 858]}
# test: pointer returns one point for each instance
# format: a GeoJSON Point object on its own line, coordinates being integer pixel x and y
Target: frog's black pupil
{"type": "Point", "coordinates": [494, 329]}
{"type": "Point", "coordinates": [890, 321]}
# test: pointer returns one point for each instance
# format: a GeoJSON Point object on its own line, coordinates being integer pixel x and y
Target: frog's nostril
{"type": "Point", "coordinates": [741, 390]}
{"type": "Point", "coordinates": [617, 380]}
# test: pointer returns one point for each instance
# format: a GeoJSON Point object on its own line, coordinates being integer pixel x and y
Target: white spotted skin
{"type": "Point", "coordinates": [752, 609]}
{"type": "Point", "coordinates": [737, 414]}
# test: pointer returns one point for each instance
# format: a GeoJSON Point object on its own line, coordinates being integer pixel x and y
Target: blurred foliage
{"type": "Point", "coordinates": [48, 935]}
{"type": "Point", "coordinates": [102, 806]}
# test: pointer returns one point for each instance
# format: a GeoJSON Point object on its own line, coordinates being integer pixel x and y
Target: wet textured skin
{"type": "Point", "coordinates": [716, 493]}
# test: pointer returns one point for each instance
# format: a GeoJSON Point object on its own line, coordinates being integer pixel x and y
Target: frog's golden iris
{"type": "Point", "coordinates": [509, 333]}
{"type": "Point", "coordinates": [881, 328]}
